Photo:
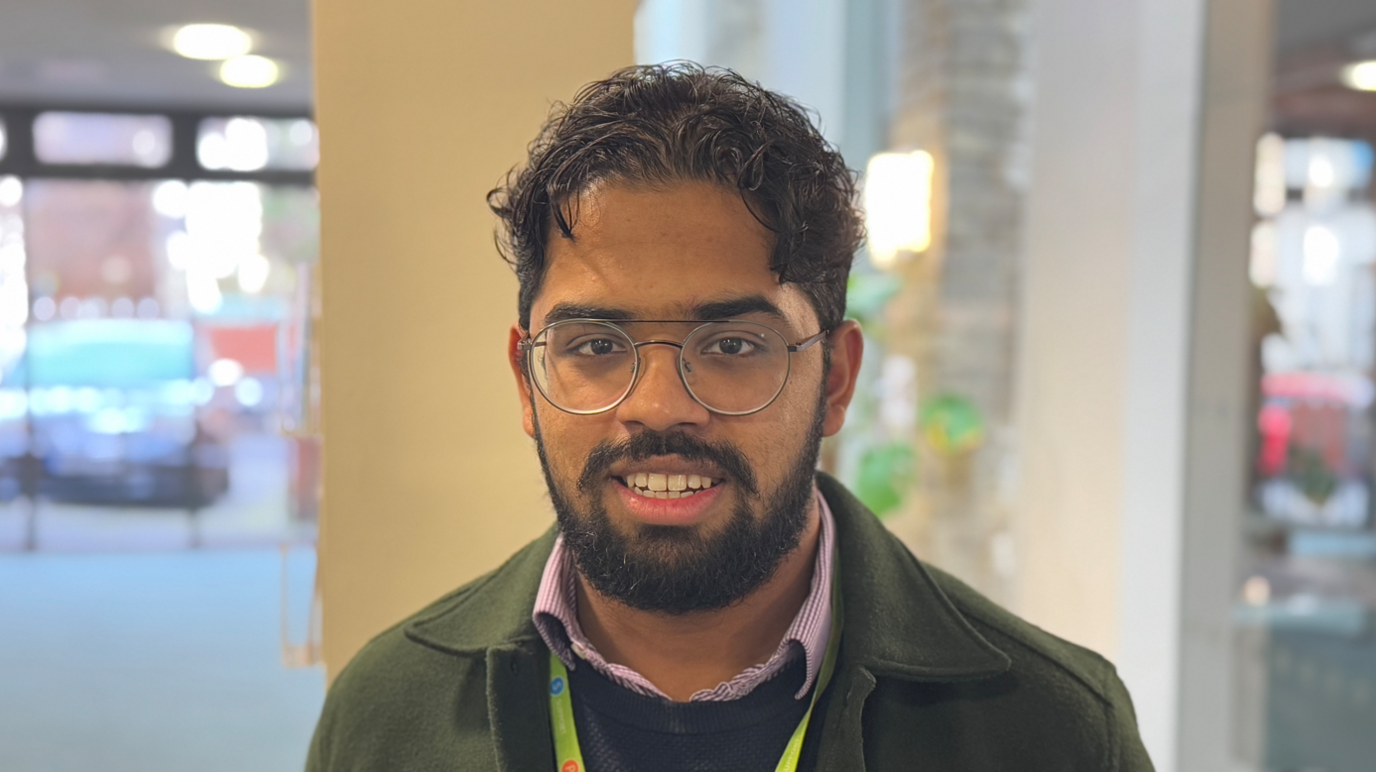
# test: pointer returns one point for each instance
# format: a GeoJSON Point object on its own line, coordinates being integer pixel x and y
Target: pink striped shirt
{"type": "Point", "coordinates": [556, 617]}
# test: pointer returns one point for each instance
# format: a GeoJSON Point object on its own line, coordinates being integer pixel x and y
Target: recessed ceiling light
{"type": "Point", "coordinates": [211, 41]}
{"type": "Point", "coordinates": [249, 72]}
{"type": "Point", "coordinates": [1360, 75]}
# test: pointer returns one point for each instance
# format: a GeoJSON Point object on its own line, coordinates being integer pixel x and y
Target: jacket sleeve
{"type": "Point", "coordinates": [1130, 755]}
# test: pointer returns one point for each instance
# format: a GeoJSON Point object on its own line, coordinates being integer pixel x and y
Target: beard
{"type": "Point", "coordinates": [677, 569]}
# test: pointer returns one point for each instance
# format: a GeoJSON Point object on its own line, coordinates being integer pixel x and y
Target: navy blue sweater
{"type": "Point", "coordinates": [621, 731]}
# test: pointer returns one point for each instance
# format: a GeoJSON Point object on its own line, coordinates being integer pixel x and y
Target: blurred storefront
{"type": "Point", "coordinates": [157, 296]}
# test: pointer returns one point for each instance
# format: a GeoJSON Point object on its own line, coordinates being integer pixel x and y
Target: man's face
{"type": "Point", "coordinates": [679, 253]}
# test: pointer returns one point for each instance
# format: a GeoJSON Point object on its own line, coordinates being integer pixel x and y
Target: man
{"type": "Point", "coordinates": [707, 601]}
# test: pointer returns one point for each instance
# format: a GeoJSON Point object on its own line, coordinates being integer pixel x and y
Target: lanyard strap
{"type": "Point", "coordinates": [569, 756]}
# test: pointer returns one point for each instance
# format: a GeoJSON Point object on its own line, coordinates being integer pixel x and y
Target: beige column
{"type": "Point", "coordinates": [423, 106]}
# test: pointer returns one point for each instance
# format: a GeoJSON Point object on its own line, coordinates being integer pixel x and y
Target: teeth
{"type": "Point", "coordinates": [666, 486]}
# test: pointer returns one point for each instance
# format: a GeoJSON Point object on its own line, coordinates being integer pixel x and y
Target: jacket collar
{"type": "Point", "coordinates": [898, 622]}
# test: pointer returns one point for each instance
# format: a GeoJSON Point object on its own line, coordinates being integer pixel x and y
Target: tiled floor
{"type": "Point", "coordinates": [153, 662]}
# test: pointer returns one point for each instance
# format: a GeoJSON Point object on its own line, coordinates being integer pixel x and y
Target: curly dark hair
{"type": "Point", "coordinates": [664, 123]}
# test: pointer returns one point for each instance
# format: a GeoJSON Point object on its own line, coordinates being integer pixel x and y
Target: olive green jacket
{"type": "Point", "coordinates": [931, 676]}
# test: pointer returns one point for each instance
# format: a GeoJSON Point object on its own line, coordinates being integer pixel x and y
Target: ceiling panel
{"type": "Point", "coordinates": [113, 52]}
{"type": "Point", "coordinates": [1307, 23]}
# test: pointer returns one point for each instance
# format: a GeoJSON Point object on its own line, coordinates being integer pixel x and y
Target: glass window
{"type": "Point", "coordinates": [245, 144]}
{"type": "Point", "coordinates": [103, 138]}
{"type": "Point", "coordinates": [1307, 668]}
{"type": "Point", "coordinates": [150, 328]}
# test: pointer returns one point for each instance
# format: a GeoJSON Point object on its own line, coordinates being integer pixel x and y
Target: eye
{"type": "Point", "coordinates": [597, 347]}
{"type": "Point", "coordinates": [731, 346]}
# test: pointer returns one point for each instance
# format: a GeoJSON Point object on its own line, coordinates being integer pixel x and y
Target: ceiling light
{"type": "Point", "coordinates": [1360, 75]}
{"type": "Point", "coordinates": [211, 41]}
{"type": "Point", "coordinates": [249, 72]}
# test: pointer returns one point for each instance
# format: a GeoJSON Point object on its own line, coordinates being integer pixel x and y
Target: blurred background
{"type": "Point", "coordinates": [1119, 298]}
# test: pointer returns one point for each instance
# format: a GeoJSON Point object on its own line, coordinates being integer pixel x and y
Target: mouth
{"type": "Point", "coordinates": [667, 485]}
{"type": "Point", "coordinates": [668, 491]}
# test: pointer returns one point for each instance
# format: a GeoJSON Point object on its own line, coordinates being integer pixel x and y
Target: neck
{"type": "Point", "coordinates": [684, 654]}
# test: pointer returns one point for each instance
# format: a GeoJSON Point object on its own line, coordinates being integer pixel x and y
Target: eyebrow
{"type": "Point", "coordinates": [734, 307]}
{"type": "Point", "coordinates": [729, 308]}
{"type": "Point", "coordinates": [565, 311]}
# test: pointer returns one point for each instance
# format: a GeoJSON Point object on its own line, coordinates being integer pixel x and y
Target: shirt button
{"type": "Point", "coordinates": [579, 651]}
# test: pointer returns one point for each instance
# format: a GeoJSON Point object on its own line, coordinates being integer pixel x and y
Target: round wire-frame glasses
{"type": "Point", "coordinates": [581, 340]}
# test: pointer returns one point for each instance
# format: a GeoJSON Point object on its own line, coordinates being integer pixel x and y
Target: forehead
{"type": "Point", "coordinates": [663, 253]}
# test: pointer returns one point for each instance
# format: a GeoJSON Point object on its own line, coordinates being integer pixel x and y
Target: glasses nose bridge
{"type": "Point", "coordinates": [657, 342]}
{"type": "Point", "coordinates": [642, 367]}
{"type": "Point", "coordinates": [641, 361]}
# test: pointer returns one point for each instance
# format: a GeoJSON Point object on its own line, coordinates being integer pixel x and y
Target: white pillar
{"type": "Point", "coordinates": [1132, 365]}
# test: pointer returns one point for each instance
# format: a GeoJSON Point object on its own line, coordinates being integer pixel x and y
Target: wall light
{"type": "Point", "coordinates": [1360, 75]}
{"type": "Point", "coordinates": [898, 205]}
{"type": "Point", "coordinates": [211, 41]}
{"type": "Point", "coordinates": [249, 72]}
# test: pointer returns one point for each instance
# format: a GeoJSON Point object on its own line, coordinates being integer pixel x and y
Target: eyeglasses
{"type": "Point", "coordinates": [730, 367]}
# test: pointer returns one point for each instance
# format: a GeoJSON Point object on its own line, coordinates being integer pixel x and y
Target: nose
{"type": "Point", "coordinates": [659, 400]}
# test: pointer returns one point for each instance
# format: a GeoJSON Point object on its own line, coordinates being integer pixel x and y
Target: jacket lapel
{"type": "Point", "coordinates": [495, 626]}
{"type": "Point", "coordinates": [518, 708]}
{"type": "Point", "coordinates": [898, 624]}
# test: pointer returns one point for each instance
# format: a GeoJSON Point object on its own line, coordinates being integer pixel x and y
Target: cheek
{"type": "Point", "coordinates": [568, 439]}
{"type": "Point", "coordinates": [774, 438]}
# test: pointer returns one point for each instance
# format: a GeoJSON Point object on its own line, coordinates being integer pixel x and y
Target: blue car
{"type": "Point", "coordinates": [104, 411]}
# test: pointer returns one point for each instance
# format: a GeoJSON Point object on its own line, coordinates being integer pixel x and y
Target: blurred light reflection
{"type": "Point", "coordinates": [103, 138]}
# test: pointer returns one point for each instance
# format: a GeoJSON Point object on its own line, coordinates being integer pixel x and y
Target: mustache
{"type": "Point", "coordinates": [648, 444]}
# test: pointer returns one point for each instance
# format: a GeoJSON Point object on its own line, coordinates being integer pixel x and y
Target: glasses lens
{"type": "Point", "coordinates": [735, 367]}
{"type": "Point", "coordinates": [582, 366]}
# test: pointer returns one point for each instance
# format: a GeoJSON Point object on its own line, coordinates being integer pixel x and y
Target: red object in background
{"type": "Point", "coordinates": [1275, 425]}
{"type": "Point", "coordinates": [1322, 427]}
{"type": "Point", "coordinates": [254, 347]}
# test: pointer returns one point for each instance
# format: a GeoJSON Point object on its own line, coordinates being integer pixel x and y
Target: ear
{"type": "Point", "coordinates": [517, 359]}
{"type": "Point", "coordinates": [847, 349]}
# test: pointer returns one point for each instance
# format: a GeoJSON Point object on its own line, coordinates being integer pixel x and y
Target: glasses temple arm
{"type": "Point", "coordinates": [809, 343]}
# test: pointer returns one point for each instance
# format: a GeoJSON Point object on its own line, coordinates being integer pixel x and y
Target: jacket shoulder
{"type": "Point", "coordinates": [1027, 641]}
{"type": "Point", "coordinates": [406, 688]}
{"type": "Point", "coordinates": [1059, 676]}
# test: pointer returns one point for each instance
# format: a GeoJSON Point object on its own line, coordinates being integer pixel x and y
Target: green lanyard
{"type": "Point", "coordinates": [569, 757]}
